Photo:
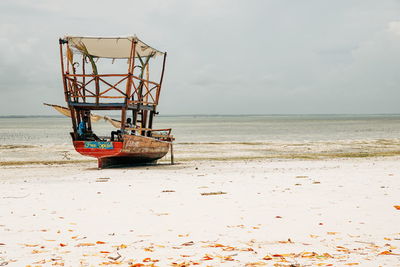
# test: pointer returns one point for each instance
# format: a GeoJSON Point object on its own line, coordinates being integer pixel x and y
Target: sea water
{"type": "Point", "coordinates": [203, 137]}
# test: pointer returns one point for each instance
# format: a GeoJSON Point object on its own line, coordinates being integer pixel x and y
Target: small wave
{"type": "Point", "coordinates": [16, 146]}
{"type": "Point", "coordinates": [43, 162]}
{"type": "Point", "coordinates": [224, 143]}
{"type": "Point", "coordinates": [294, 156]}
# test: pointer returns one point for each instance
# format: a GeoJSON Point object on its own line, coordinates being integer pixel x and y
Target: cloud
{"type": "Point", "coordinates": [272, 56]}
{"type": "Point", "coordinates": [394, 27]}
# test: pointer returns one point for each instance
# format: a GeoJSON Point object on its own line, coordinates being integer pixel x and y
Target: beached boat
{"type": "Point", "coordinates": [131, 93]}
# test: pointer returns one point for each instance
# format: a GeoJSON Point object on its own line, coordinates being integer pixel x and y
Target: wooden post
{"type": "Point", "coordinates": [67, 58]}
{"type": "Point", "coordinates": [123, 119]}
{"type": "Point", "coordinates": [128, 83]}
{"type": "Point", "coordinates": [172, 153]}
{"type": "Point", "coordinates": [144, 119]}
{"type": "Point", "coordinates": [73, 118]}
{"type": "Point", "coordinates": [161, 79]}
{"type": "Point", "coordinates": [150, 126]}
{"type": "Point", "coordinates": [89, 120]}
{"type": "Point", "coordinates": [147, 80]}
{"type": "Point", "coordinates": [96, 80]}
{"type": "Point", "coordinates": [83, 80]}
{"type": "Point", "coordinates": [134, 117]}
{"type": "Point", "coordinates": [61, 41]}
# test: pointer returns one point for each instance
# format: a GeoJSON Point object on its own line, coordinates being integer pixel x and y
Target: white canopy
{"type": "Point", "coordinates": [112, 47]}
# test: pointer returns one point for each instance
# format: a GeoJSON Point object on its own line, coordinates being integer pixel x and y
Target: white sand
{"type": "Point", "coordinates": [54, 215]}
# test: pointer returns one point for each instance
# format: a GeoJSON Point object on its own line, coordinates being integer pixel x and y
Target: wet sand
{"type": "Point", "coordinates": [330, 212]}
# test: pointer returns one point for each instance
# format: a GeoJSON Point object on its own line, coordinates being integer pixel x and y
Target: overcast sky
{"type": "Point", "coordinates": [224, 57]}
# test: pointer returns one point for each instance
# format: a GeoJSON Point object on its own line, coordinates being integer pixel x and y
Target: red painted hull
{"type": "Point", "coordinates": [133, 150]}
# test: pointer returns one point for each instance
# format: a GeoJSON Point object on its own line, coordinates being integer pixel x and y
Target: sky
{"type": "Point", "coordinates": [224, 56]}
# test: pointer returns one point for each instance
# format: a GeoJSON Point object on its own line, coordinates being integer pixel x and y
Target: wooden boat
{"type": "Point", "coordinates": [86, 90]}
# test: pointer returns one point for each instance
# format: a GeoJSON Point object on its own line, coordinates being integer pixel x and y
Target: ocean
{"type": "Point", "coordinates": [35, 139]}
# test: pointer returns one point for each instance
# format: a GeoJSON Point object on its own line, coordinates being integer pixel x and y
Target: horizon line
{"type": "Point", "coordinates": [222, 115]}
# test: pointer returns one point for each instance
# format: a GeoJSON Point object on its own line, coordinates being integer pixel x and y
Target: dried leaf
{"type": "Point", "coordinates": [190, 243]}
{"type": "Point", "coordinates": [207, 257]}
{"type": "Point", "coordinates": [63, 245]}
{"type": "Point", "coordinates": [229, 249]}
{"type": "Point", "coordinates": [35, 251]}
{"type": "Point", "coordinates": [216, 246]}
{"type": "Point", "coordinates": [85, 245]}
{"type": "Point", "coordinates": [122, 246]}
{"type": "Point", "coordinates": [100, 242]}
{"type": "Point", "coordinates": [252, 264]}
{"type": "Point", "coordinates": [111, 263]}
{"type": "Point", "coordinates": [228, 258]}
{"type": "Point", "coordinates": [397, 207]}
{"type": "Point", "coordinates": [213, 193]}
{"type": "Point", "coordinates": [30, 245]}
{"type": "Point", "coordinates": [387, 252]}
{"type": "Point", "coordinates": [332, 233]}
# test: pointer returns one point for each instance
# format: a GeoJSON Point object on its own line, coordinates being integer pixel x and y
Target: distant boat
{"type": "Point", "coordinates": [135, 141]}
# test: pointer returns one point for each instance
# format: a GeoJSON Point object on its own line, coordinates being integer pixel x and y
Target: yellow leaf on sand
{"type": "Point", "coordinates": [229, 249]}
{"type": "Point", "coordinates": [352, 263]}
{"type": "Point", "coordinates": [35, 251]}
{"type": "Point", "coordinates": [332, 233]}
{"type": "Point", "coordinates": [30, 245]}
{"type": "Point", "coordinates": [216, 246]}
{"type": "Point", "coordinates": [387, 252]}
{"type": "Point", "coordinates": [254, 264]}
{"type": "Point", "coordinates": [308, 254]}
{"type": "Point", "coordinates": [111, 263]}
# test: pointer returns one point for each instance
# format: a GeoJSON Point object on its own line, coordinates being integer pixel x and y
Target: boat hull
{"type": "Point", "coordinates": [132, 150]}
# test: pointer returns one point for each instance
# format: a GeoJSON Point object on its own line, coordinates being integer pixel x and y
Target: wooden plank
{"type": "Point", "coordinates": [161, 79]}
{"type": "Point", "coordinates": [100, 106]}
{"type": "Point", "coordinates": [98, 75]}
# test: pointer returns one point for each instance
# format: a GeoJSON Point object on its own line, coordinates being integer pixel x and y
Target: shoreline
{"type": "Point", "coordinates": [294, 156]}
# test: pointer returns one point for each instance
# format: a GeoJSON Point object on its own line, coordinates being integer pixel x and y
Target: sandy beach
{"type": "Point", "coordinates": [324, 212]}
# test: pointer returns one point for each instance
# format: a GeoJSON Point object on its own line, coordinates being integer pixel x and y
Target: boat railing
{"type": "Point", "coordinates": [161, 134]}
{"type": "Point", "coordinates": [105, 88]}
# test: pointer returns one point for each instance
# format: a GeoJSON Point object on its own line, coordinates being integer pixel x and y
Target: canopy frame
{"type": "Point", "coordinates": [85, 92]}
